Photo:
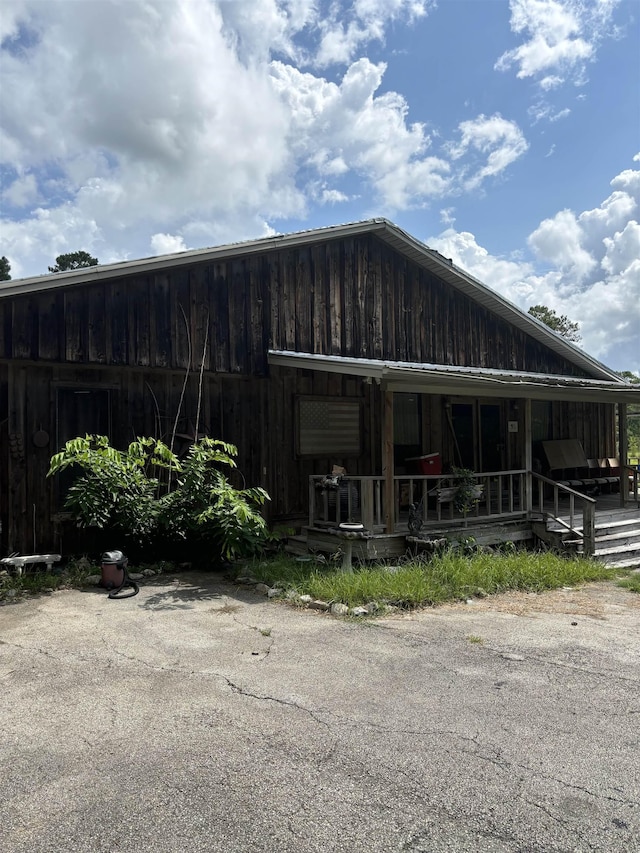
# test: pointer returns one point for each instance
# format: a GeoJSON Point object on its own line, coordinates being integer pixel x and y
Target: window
{"type": "Point", "coordinates": [329, 427]}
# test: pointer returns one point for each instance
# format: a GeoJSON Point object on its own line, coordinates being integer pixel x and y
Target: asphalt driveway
{"type": "Point", "coordinates": [202, 717]}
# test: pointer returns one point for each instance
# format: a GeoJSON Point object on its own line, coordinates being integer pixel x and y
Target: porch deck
{"type": "Point", "coordinates": [500, 513]}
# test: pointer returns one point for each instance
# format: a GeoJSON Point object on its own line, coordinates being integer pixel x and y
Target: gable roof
{"type": "Point", "coordinates": [395, 237]}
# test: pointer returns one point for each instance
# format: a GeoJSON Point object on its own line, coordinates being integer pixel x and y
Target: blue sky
{"type": "Point", "coordinates": [504, 134]}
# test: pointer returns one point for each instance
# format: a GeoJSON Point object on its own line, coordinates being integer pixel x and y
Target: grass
{"type": "Point", "coordinates": [446, 577]}
{"type": "Point", "coordinates": [30, 582]}
{"type": "Point", "coordinates": [632, 583]}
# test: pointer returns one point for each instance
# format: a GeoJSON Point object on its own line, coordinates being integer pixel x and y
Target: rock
{"type": "Point", "coordinates": [360, 611]}
{"type": "Point", "coordinates": [372, 607]}
{"type": "Point", "coordinates": [148, 573]}
{"type": "Point", "coordinates": [136, 576]}
{"type": "Point", "coordinates": [469, 601]}
{"type": "Point", "coordinates": [11, 593]}
{"type": "Point", "coordinates": [318, 605]}
{"type": "Point", "coordinates": [274, 592]}
{"type": "Point", "coordinates": [247, 580]}
{"type": "Point", "coordinates": [262, 588]}
{"type": "Point", "coordinates": [305, 599]}
{"type": "Point", "coordinates": [95, 580]}
{"type": "Point", "coordinates": [292, 595]}
{"type": "Point", "coordinates": [339, 609]}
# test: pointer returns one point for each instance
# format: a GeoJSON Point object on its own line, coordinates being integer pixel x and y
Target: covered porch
{"type": "Point", "coordinates": [439, 424]}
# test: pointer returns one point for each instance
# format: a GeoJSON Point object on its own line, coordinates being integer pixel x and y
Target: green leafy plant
{"type": "Point", "coordinates": [467, 491]}
{"type": "Point", "coordinates": [147, 492]}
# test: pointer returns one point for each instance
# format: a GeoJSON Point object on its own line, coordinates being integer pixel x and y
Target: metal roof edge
{"type": "Point", "coordinates": [386, 367]}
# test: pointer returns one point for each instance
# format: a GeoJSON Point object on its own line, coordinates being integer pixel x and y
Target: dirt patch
{"type": "Point", "coordinates": [597, 600]}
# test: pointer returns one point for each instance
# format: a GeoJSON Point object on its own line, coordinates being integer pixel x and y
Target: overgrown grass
{"type": "Point", "coordinates": [73, 574]}
{"type": "Point", "coordinates": [446, 577]}
{"type": "Point", "coordinates": [632, 583]}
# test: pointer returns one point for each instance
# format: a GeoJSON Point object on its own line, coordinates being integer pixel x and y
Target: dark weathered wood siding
{"type": "Point", "coordinates": [138, 335]}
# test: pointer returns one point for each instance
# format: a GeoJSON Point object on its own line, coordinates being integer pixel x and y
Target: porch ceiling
{"type": "Point", "coordinates": [462, 381]}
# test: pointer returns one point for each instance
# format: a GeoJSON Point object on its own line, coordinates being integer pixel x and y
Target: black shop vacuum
{"type": "Point", "coordinates": [115, 577]}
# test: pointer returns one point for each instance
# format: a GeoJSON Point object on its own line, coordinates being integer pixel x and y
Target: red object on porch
{"type": "Point", "coordinates": [429, 464]}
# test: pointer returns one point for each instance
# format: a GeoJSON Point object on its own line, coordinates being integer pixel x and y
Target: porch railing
{"type": "Point", "coordinates": [567, 515]}
{"type": "Point", "coordinates": [630, 483]}
{"type": "Point", "coordinates": [500, 494]}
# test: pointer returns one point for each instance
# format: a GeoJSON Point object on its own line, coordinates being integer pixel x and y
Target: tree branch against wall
{"type": "Point", "coordinates": [559, 323]}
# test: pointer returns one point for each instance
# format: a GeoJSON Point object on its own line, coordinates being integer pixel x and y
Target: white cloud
{"type": "Point", "coordinates": [346, 30]}
{"type": "Point", "coordinates": [560, 38]}
{"type": "Point", "coordinates": [165, 244]}
{"type": "Point", "coordinates": [177, 120]}
{"type": "Point", "coordinates": [592, 272]}
{"type": "Point", "coordinates": [499, 139]}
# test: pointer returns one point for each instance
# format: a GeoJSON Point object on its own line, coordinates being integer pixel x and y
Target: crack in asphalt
{"type": "Point", "coordinates": [265, 697]}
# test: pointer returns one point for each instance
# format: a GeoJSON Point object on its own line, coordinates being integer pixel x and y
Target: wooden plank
{"type": "Point", "coordinates": [351, 289]}
{"type": "Point", "coordinates": [258, 316]}
{"type": "Point", "coordinates": [303, 285]}
{"type": "Point", "coordinates": [376, 302]}
{"type": "Point", "coordinates": [51, 325]}
{"type": "Point", "coordinates": [220, 320]}
{"type": "Point", "coordinates": [335, 298]}
{"type": "Point", "coordinates": [96, 326]}
{"type": "Point", "coordinates": [25, 327]}
{"type": "Point", "coordinates": [160, 342]}
{"type": "Point", "coordinates": [182, 349]}
{"type": "Point", "coordinates": [76, 325]}
{"type": "Point", "coordinates": [239, 345]}
{"type": "Point", "coordinates": [320, 301]}
{"type": "Point", "coordinates": [119, 323]}
{"type": "Point", "coordinates": [139, 322]}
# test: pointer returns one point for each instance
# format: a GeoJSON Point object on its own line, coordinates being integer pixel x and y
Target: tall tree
{"type": "Point", "coordinates": [73, 261]}
{"type": "Point", "coordinates": [5, 269]}
{"type": "Point", "coordinates": [560, 323]}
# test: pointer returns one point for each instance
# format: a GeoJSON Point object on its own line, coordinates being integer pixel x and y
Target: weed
{"type": "Point", "coordinates": [474, 638]}
{"type": "Point", "coordinates": [445, 577]}
{"type": "Point", "coordinates": [631, 583]}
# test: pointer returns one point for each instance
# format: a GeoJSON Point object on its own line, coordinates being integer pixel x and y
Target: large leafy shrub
{"type": "Point", "coordinates": [150, 495]}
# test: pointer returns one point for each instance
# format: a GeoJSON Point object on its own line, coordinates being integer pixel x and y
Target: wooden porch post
{"type": "Point", "coordinates": [387, 460]}
{"type": "Point", "coordinates": [623, 450]}
{"type": "Point", "coordinates": [528, 456]}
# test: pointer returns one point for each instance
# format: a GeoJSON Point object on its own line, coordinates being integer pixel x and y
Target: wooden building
{"type": "Point", "coordinates": [352, 345]}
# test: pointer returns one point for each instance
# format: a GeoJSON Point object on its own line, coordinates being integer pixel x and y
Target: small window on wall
{"type": "Point", "coordinates": [329, 427]}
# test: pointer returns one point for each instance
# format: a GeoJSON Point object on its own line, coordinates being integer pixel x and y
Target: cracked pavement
{"type": "Point", "coordinates": [198, 716]}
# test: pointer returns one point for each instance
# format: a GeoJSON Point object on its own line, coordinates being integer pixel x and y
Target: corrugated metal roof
{"type": "Point", "coordinates": [394, 236]}
{"type": "Point", "coordinates": [463, 381]}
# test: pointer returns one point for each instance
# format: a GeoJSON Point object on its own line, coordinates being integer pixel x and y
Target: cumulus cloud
{"type": "Point", "coordinates": [585, 265]}
{"type": "Point", "coordinates": [559, 38]}
{"type": "Point", "coordinates": [197, 119]}
{"type": "Point", "coordinates": [165, 244]}
{"type": "Point", "coordinates": [500, 141]}
{"type": "Point", "coordinates": [346, 30]}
